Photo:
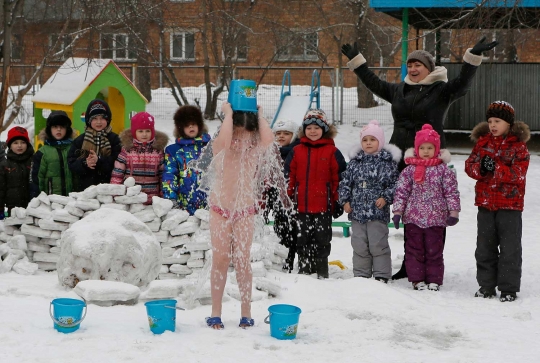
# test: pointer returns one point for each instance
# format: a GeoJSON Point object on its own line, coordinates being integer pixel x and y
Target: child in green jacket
{"type": "Point", "coordinates": [50, 171]}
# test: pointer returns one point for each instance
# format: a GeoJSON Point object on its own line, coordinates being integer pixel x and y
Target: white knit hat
{"type": "Point", "coordinates": [286, 125]}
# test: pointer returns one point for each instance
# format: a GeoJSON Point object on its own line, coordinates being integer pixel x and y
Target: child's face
{"type": "Point", "coordinates": [370, 144]}
{"type": "Point", "coordinates": [191, 130]}
{"type": "Point", "coordinates": [19, 146]}
{"type": "Point", "coordinates": [284, 138]}
{"type": "Point", "coordinates": [242, 139]}
{"type": "Point", "coordinates": [313, 132]}
{"type": "Point", "coordinates": [143, 135]}
{"type": "Point", "coordinates": [58, 132]}
{"type": "Point", "coordinates": [426, 151]}
{"type": "Point", "coordinates": [498, 127]}
{"type": "Point", "coordinates": [98, 123]}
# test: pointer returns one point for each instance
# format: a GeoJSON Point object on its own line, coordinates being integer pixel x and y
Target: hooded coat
{"type": "Point", "coordinates": [427, 204]}
{"type": "Point", "coordinates": [416, 104]}
{"type": "Point", "coordinates": [505, 187]}
{"type": "Point", "coordinates": [314, 170]}
{"type": "Point", "coordinates": [367, 178]}
{"type": "Point", "coordinates": [142, 161]}
{"type": "Point", "coordinates": [15, 179]}
{"type": "Point", "coordinates": [50, 171]}
{"type": "Point", "coordinates": [181, 183]}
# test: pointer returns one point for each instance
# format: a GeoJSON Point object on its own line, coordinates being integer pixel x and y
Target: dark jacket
{"type": "Point", "coordinates": [504, 188]}
{"type": "Point", "coordinates": [417, 104]}
{"type": "Point", "coordinates": [15, 179]}
{"type": "Point", "coordinates": [50, 171]}
{"type": "Point", "coordinates": [83, 176]}
{"type": "Point", "coordinates": [314, 169]}
{"type": "Point", "coordinates": [285, 150]}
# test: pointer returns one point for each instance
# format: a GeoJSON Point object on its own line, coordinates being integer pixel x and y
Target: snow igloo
{"type": "Point", "coordinates": [110, 245]}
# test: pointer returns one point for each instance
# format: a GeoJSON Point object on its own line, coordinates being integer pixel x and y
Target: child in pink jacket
{"type": "Point", "coordinates": [427, 198]}
{"type": "Point", "coordinates": [141, 156]}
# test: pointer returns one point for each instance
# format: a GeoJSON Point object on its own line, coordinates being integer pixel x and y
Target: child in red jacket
{"type": "Point", "coordinates": [499, 163]}
{"type": "Point", "coordinates": [314, 168]}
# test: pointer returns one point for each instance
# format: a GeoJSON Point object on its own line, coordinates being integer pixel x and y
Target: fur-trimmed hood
{"type": "Point", "coordinates": [42, 136]}
{"type": "Point", "coordinates": [160, 140]}
{"type": "Point", "coordinates": [444, 155]}
{"type": "Point", "coordinates": [391, 148]}
{"type": "Point", "coordinates": [331, 134]}
{"type": "Point", "coordinates": [176, 132]}
{"type": "Point", "coordinates": [520, 129]}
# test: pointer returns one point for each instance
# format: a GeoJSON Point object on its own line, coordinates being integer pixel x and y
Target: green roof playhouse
{"type": "Point", "coordinates": [76, 83]}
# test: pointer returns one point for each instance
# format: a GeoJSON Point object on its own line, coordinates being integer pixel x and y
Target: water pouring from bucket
{"type": "Point", "coordinates": [68, 314]}
{"type": "Point", "coordinates": [162, 315]}
{"type": "Point", "coordinates": [283, 320]}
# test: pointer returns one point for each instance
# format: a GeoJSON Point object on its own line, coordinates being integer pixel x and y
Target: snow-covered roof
{"type": "Point", "coordinates": [70, 80]}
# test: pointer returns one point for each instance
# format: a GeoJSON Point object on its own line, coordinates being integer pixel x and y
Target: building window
{"type": "Point", "coordinates": [183, 46]}
{"type": "Point", "coordinates": [431, 46]}
{"type": "Point", "coordinates": [298, 47]}
{"type": "Point", "coordinates": [62, 45]}
{"type": "Point", "coordinates": [16, 47]}
{"type": "Point", "coordinates": [117, 47]}
{"type": "Point", "coordinates": [238, 48]}
{"type": "Point", "coordinates": [182, 1]}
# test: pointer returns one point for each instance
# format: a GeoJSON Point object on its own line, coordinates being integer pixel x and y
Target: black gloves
{"type": "Point", "coordinates": [481, 47]}
{"type": "Point", "coordinates": [350, 51]}
{"type": "Point", "coordinates": [338, 211]}
{"type": "Point", "coordinates": [487, 164]}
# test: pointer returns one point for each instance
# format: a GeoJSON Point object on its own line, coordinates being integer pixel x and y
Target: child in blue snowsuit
{"type": "Point", "coordinates": [180, 183]}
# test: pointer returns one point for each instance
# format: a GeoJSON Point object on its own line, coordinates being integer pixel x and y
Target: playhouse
{"type": "Point", "coordinates": [76, 83]}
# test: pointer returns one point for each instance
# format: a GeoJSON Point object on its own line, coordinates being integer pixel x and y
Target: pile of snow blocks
{"type": "Point", "coordinates": [30, 238]}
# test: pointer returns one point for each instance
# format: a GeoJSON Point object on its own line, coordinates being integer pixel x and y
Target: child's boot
{"type": "Point", "coordinates": [486, 292]}
{"type": "Point", "coordinates": [507, 296]}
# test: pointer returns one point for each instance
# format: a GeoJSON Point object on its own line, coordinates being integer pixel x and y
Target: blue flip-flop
{"type": "Point", "coordinates": [246, 322]}
{"type": "Point", "coordinates": [215, 321]}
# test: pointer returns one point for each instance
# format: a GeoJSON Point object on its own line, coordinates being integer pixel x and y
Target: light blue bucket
{"type": "Point", "coordinates": [68, 314]}
{"type": "Point", "coordinates": [283, 320]}
{"type": "Point", "coordinates": [161, 315]}
{"type": "Point", "coordinates": [243, 95]}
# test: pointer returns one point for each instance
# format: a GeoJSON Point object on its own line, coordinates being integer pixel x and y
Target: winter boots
{"type": "Point", "coordinates": [486, 292]}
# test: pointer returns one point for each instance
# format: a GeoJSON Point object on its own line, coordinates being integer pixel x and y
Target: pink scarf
{"type": "Point", "coordinates": [421, 164]}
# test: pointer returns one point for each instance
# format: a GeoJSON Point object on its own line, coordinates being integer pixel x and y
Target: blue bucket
{"type": "Point", "coordinates": [68, 314]}
{"type": "Point", "coordinates": [243, 95]}
{"type": "Point", "coordinates": [161, 315]}
{"type": "Point", "coordinates": [283, 320]}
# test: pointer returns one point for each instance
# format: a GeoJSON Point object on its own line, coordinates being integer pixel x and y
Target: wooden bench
{"type": "Point", "coordinates": [346, 225]}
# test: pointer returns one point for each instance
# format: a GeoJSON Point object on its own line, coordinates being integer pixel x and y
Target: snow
{"type": "Point", "coordinates": [343, 319]}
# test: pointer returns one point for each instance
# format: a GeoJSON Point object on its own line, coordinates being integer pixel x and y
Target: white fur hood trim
{"type": "Point", "coordinates": [391, 148]}
{"type": "Point", "coordinates": [444, 155]}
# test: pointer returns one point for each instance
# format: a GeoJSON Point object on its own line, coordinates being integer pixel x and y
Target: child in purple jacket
{"type": "Point", "coordinates": [427, 198]}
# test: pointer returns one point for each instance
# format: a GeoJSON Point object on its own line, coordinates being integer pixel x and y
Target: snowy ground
{"type": "Point", "coordinates": [342, 320]}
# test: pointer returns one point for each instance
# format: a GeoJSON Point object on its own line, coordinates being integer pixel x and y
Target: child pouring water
{"type": "Point", "coordinates": [427, 198]}
{"type": "Point", "coordinates": [235, 183]}
{"type": "Point", "coordinates": [141, 156]}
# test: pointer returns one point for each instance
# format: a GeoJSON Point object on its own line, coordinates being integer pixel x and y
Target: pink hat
{"type": "Point", "coordinates": [142, 121]}
{"type": "Point", "coordinates": [373, 129]}
{"type": "Point", "coordinates": [427, 134]}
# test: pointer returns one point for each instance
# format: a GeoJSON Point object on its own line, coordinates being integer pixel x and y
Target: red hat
{"type": "Point", "coordinates": [142, 121]}
{"type": "Point", "coordinates": [17, 133]}
{"type": "Point", "coordinates": [427, 134]}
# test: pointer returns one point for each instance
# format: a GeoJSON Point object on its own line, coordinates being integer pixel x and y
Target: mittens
{"type": "Point", "coordinates": [338, 211]}
{"type": "Point", "coordinates": [396, 219]}
{"type": "Point", "coordinates": [451, 221]}
{"type": "Point", "coordinates": [487, 164]}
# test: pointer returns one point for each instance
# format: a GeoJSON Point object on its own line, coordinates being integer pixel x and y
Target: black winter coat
{"type": "Point", "coordinates": [416, 105]}
{"type": "Point", "coordinates": [15, 179]}
{"type": "Point", "coordinates": [83, 176]}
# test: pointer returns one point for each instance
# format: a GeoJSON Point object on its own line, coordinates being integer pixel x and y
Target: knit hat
{"type": "Point", "coordinates": [318, 117]}
{"type": "Point", "coordinates": [97, 107]}
{"type": "Point", "coordinates": [17, 133]}
{"type": "Point", "coordinates": [142, 121]}
{"type": "Point", "coordinates": [502, 110]}
{"type": "Point", "coordinates": [427, 134]}
{"type": "Point", "coordinates": [58, 118]}
{"type": "Point", "coordinates": [373, 129]}
{"type": "Point", "coordinates": [186, 115]}
{"type": "Point", "coordinates": [423, 57]}
{"type": "Point", "coordinates": [286, 125]}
